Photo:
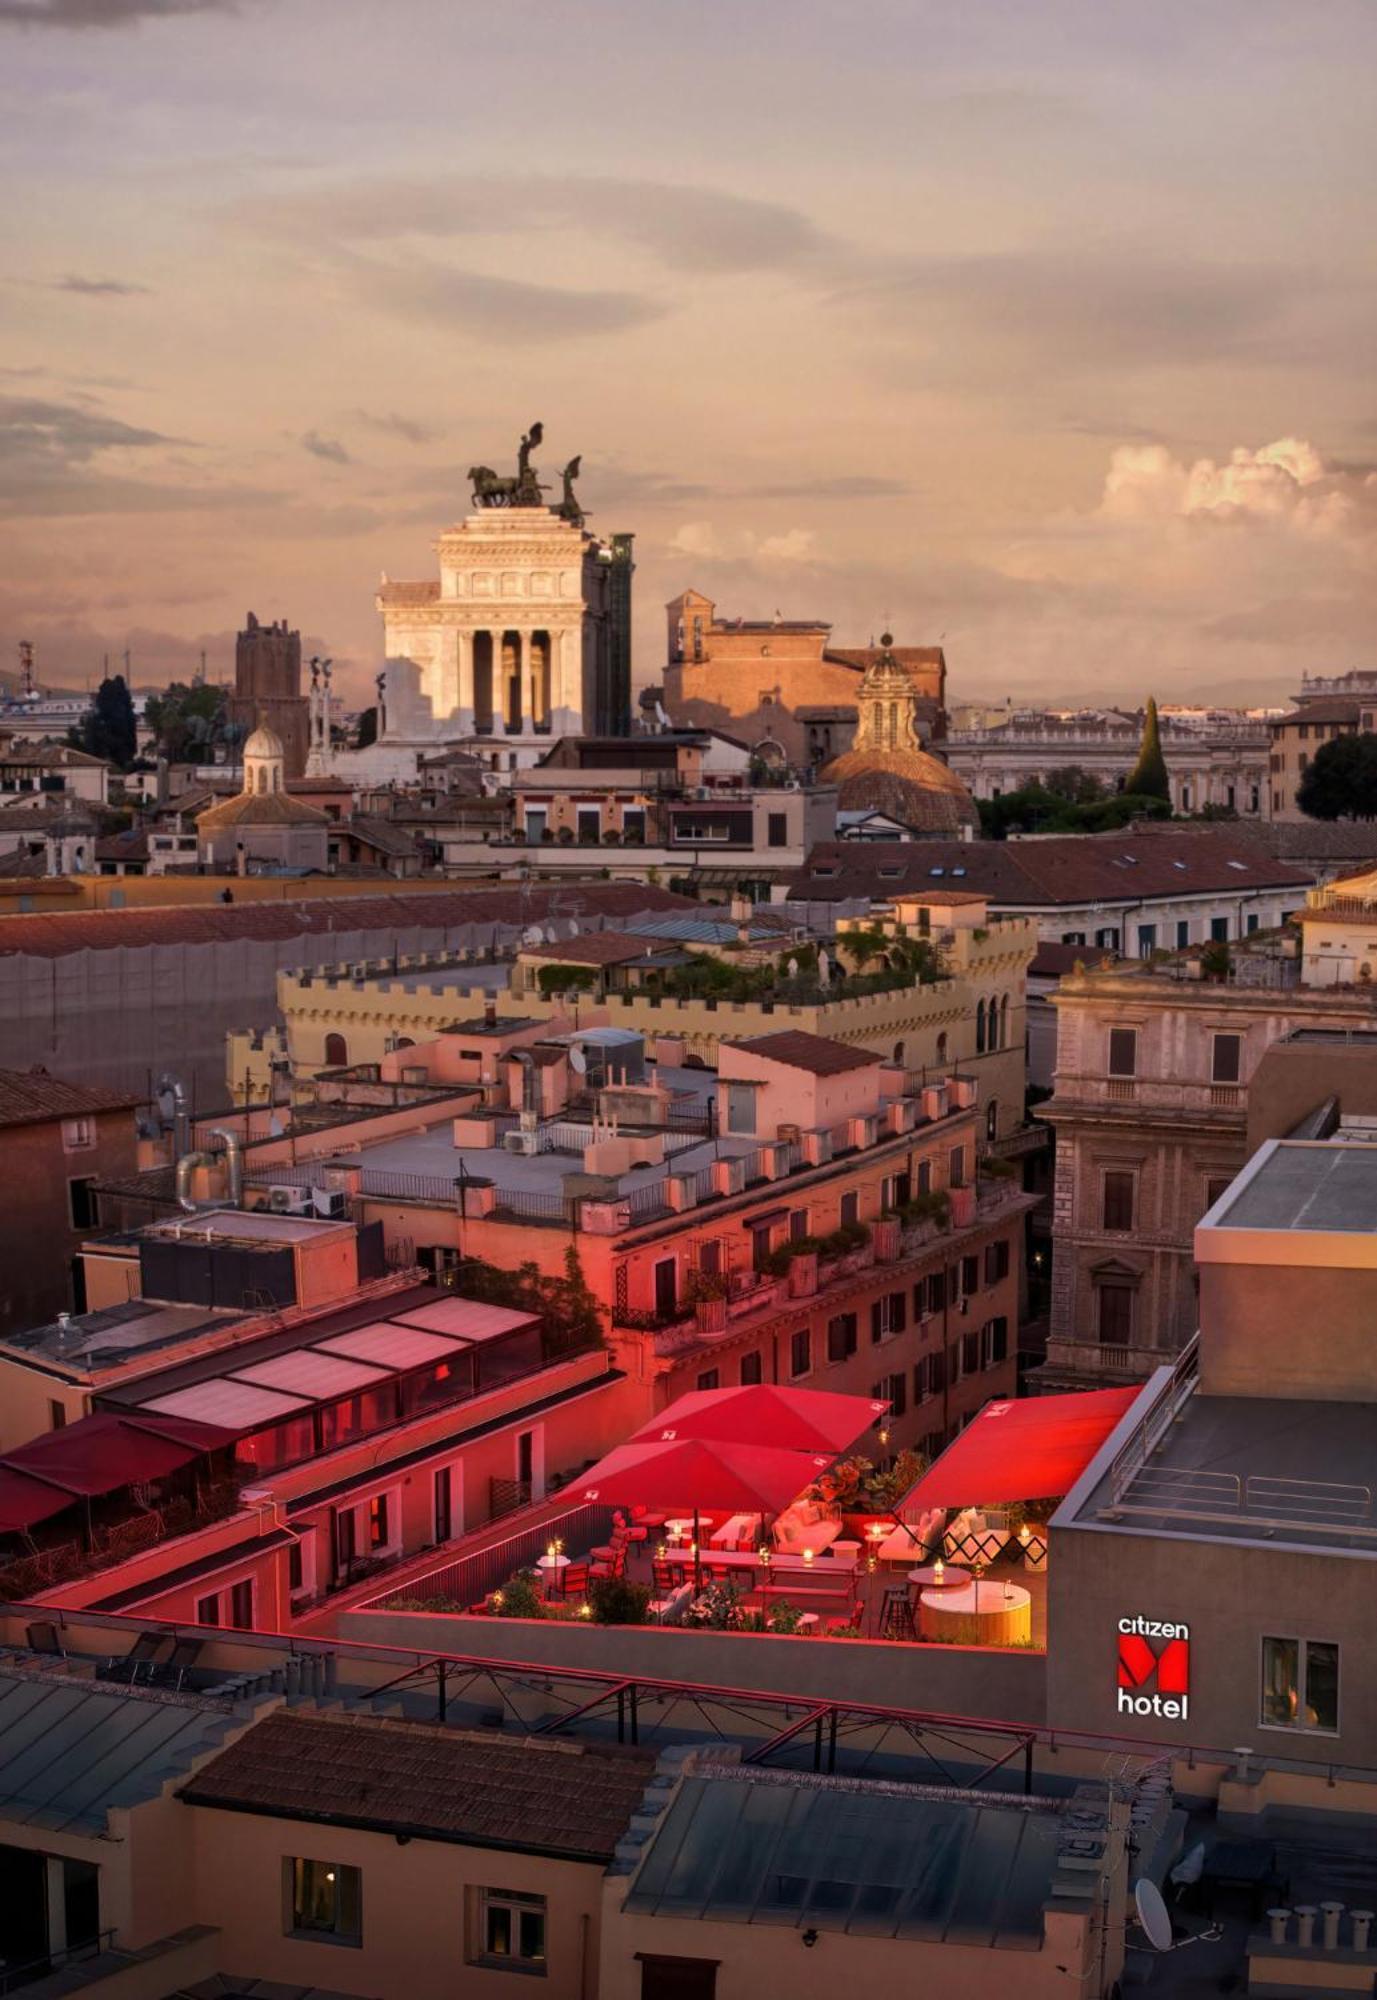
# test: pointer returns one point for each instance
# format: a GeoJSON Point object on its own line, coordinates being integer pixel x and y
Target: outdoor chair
{"type": "Point", "coordinates": [141, 1656]}
{"type": "Point", "coordinates": [46, 1638]}
{"type": "Point", "coordinates": [573, 1581]}
{"type": "Point", "coordinates": [665, 1576]}
{"type": "Point", "coordinates": [896, 1615]}
{"type": "Point", "coordinates": [174, 1669]}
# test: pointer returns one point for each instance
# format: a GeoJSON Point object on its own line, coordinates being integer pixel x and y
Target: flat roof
{"type": "Point", "coordinates": [761, 1848]}
{"type": "Point", "coordinates": [433, 1155]}
{"type": "Point", "coordinates": [244, 1225]}
{"type": "Point", "coordinates": [1298, 1184]}
{"type": "Point", "coordinates": [113, 1334]}
{"type": "Point", "coordinates": [1252, 1468]}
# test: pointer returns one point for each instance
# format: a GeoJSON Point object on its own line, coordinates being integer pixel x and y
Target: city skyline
{"type": "Point", "coordinates": [855, 344]}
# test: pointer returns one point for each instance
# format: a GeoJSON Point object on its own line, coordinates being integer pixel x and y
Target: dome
{"type": "Point", "coordinates": [909, 785]}
{"type": "Point", "coordinates": [264, 742]}
{"type": "Point", "coordinates": [887, 769]}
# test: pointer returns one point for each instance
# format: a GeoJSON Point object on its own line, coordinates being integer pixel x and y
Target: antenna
{"type": "Point", "coordinates": [26, 665]}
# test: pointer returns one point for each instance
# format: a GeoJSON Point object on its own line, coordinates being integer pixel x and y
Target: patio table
{"type": "Point", "coordinates": [926, 1577]}
{"type": "Point", "coordinates": [740, 1528]}
{"type": "Point", "coordinates": [978, 1614]}
{"type": "Point", "coordinates": [552, 1567]}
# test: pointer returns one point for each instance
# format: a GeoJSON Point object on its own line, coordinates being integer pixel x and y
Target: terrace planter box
{"type": "Point", "coordinates": [886, 1239]}
{"type": "Point", "coordinates": [711, 1315]}
{"type": "Point", "coordinates": [803, 1275]}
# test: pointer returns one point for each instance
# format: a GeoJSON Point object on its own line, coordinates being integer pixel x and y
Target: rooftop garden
{"type": "Point", "coordinates": [803, 976]}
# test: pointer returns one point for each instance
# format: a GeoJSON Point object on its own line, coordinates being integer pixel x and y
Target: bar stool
{"type": "Point", "coordinates": [896, 1614]}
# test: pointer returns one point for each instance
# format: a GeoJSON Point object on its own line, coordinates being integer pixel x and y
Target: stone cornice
{"type": "Point", "coordinates": [467, 615]}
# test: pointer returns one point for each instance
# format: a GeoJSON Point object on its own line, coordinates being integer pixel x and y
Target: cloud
{"type": "Point", "coordinates": [838, 486]}
{"type": "Point", "coordinates": [330, 449]}
{"type": "Point", "coordinates": [713, 230]}
{"type": "Point", "coordinates": [406, 428]}
{"type": "Point", "coordinates": [507, 309]}
{"type": "Point", "coordinates": [60, 459]}
{"type": "Point", "coordinates": [703, 542]}
{"type": "Point", "coordinates": [62, 433]}
{"type": "Point", "coordinates": [98, 288]}
{"type": "Point", "coordinates": [1285, 483]}
{"type": "Point", "coordinates": [102, 13]}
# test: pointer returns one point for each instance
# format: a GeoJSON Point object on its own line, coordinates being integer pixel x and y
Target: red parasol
{"type": "Point", "coordinates": [764, 1415]}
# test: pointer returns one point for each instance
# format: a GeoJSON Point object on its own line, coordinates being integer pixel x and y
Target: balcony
{"type": "Point", "coordinates": [1102, 1361]}
{"type": "Point", "coordinates": [1154, 1095]}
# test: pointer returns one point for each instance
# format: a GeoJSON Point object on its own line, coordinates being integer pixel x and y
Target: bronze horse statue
{"type": "Point", "coordinates": [492, 489]}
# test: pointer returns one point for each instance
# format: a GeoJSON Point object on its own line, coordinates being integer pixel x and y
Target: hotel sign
{"type": "Point", "coordinates": [1154, 1668]}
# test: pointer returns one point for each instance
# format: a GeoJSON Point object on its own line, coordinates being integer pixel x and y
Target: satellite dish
{"type": "Point", "coordinates": [1152, 1914]}
{"type": "Point", "coordinates": [533, 934]}
{"type": "Point", "coordinates": [578, 1061]}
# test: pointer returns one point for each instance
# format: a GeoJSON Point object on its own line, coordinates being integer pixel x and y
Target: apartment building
{"type": "Point", "coordinates": [1327, 707]}
{"type": "Point", "coordinates": [1151, 1104]}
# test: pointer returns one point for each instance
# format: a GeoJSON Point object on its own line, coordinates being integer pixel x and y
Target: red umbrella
{"type": "Point", "coordinates": [692, 1472]}
{"type": "Point", "coordinates": [763, 1414]}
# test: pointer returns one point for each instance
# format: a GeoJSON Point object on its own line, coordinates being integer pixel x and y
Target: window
{"type": "Point", "coordinates": [741, 1108]}
{"type": "Point", "coordinates": [443, 1507]}
{"type": "Point", "coordinates": [241, 1605]}
{"type": "Point", "coordinates": [1147, 940]}
{"type": "Point", "coordinates": [325, 1900]}
{"type": "Point", "coordinates": [667, 1285]}
{"type": "Point", "coordinates": [994, 1340]}
{"type": "Point", "coordinates": [970, 1276]}
{"type": "Point", "coordinates": [1115, 1314]}
{"type": "Point", "coordinates": [1219, 929]}
{"type": "Point", "coordinates": [336, 1052]}
{"type": "Point", "coordinates": [709, 1379]}
{"type": "Point", "coordinates": [1183, 933]}
{"type": "Point", "coordinates": [1252, 919]}
{"type": "Point", "coordinates": [677, 1978]}
{"type": "Point", "coordinates": [57, 1416]}
{"type": "Point", "coordinates": [760, 1247]}
{"type": "Point", "coordinates": [1216, 1187]}
{"type": "Point", "coordinates": [208, 1610]}
{"type": "Point", "coordinates": [925, 1177]}
{"type": "Point", "coordinates": [78, 1134]}
{"type": "Point", "coordinates": [778, 835]}
{"type": "Point", "coordinates": [850, 1210]}
{"type": "Point", "coordinates": [1225, 1058]}
{"type": "Point", "coordinates": [992, 1120]}
{"type": "Point", "coordinates": [751, 1370]}
{"type": "Point", "coordinates": [841, 1337]}
{"type": "Point", "coordinates": [1123, 1052]}
{"type": "Point", "coordinates": [936, 1290]}
{"type": "Point", "coordinates": [1118, 1199]}
{"type": "Point", "coordinates": [510, 1931]}
{"type": "Point", "coordinates": [997, 1261]}
{"type": "Point", "coordinates": [81, 1202]}
{"type": "Point", "coordinates": [800, 1352]}
{"type": "Point", "coordinates": [892, 1389]}
{"type": "Point", "coordinates": [798, 1224]}
{"type": "Point", "coordinates": [956, 1167]}
{"type": "Point", "coordinates": [1300, 1684]}
{"type": "Point", "coordinates": [888, 1316]}
{"type": "Point", "coordinates": [377, 1521]}
{"type": "Point", "coordinates": [970, 1352]}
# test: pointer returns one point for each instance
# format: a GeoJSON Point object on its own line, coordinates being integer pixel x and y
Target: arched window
{"type": "Point", "coordinates": [980, 1029]}
{"type": "Point", "coordinates": [1004, 1022]}
{"type": "Point", "coordinates": [336, 1052]}
{"type": "Point", "coordinates": [404, 1042]}
{"type": "Point", "coordinates": [942, 1046]}
{"type": "Point", "coordinates": [992, 1119]}
{"type": "Point", "coordinates": [262, 777]}
{"type": "Point", "coordinates": [898, 1052]}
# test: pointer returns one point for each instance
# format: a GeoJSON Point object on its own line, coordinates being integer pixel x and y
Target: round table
{"type": "Point", "coordinates": [978, 1614]}
{"type": "Point", "coordinates": [553, 1567]}
{"type": "Point", "coordinates": [679, 1531]}
{"type": "Point", "coordinates": [927, 1578]}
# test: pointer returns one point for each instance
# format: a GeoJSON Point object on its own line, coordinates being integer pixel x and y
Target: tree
{"type": "Point", "coordinates": [1075, 784]}
{"type": "Point", "coordinates": [1148, 779]}
{"type": "Point", "coordinates": [186, 721]}
{"type": "Point", "coordinates": [1341, 783]}
{"type": "Point", "coordinates": [108, 729]}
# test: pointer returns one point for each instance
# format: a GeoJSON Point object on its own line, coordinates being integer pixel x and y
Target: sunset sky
{"type": "Point", "coordinates": [1041, 327]}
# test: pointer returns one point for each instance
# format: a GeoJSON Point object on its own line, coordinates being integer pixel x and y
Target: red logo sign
{"type": "Point", "coordinates": [1154, 1668]}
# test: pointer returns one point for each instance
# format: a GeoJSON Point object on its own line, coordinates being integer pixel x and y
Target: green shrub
{"type": "Point", "coordinates": [519, 1597]}
{"type": "Point", "coordinates": [615, 1601]}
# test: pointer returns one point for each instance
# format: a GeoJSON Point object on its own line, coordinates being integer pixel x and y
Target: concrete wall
{"type": "Point", "coordinates": [1230, 1594]}
{"type": "Point", "coordinates": [949, 1680]}
{"type": "Point", "coordinates": [37, 1239]}
{"type": "Point", "coordinates": [1289, 1330]}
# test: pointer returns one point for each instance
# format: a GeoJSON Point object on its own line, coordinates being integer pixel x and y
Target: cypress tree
{"type": "Point", "coordinates": [1148, 778]}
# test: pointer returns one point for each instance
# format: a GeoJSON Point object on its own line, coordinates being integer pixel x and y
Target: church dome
{"type": "Point", "coordinates": [264, 742]}
{"type": "Point", "coordinates": [887, 769]}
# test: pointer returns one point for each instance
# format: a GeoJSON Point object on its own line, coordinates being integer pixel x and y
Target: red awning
{"type": "Point", "coordinates": [1031, 1450]}
{"type": "Point", "coordinates": [695, 1475]}
{"type": "Point", "coordinates": [100, 1454]}
{"type": "Point", "coordinates": [762, 1414]}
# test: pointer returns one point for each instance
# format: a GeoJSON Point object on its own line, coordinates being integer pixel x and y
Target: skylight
{"type": "Point", "coordinates": [937, 871]}
{"type": "Point", "coordinates": [1242, 866]}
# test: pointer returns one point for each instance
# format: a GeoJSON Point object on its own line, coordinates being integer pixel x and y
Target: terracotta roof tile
{"type": "Point", "coordinates": [32, 1097]}
{"type": "Point", "coordinates": [441, 1784]}
{"type": "Point", "coordinates": [218, 923]}
{"type": "Point", "coordinates": [817, 1054]}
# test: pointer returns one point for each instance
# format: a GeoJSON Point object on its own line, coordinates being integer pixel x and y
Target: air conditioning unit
{"type": "Point", "coordinates": [286, 1200]}
{"type": "Point", "coordinates": [330, 1203]}
{"type": "Point", "coordinates": [521, 1142]}
{"type": "Point", "coordinates": [789, 1135]}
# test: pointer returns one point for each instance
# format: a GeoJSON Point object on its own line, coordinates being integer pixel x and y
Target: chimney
{"type": "Point", "coordinates": [490, 1011]}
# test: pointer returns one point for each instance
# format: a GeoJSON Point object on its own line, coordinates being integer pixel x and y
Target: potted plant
{"type": "Point", "coordinates": [887, 1237]}
{"type": "Point", "coordinates": [706, 1292]}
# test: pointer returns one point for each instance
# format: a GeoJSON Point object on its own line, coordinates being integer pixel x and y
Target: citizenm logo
{"type": "Point", "coordinates": [1154, 1668]}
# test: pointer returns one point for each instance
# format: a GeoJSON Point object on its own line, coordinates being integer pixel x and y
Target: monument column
{"type": "Point", "coordinates": [518, 708]}
{"type": "Point", "coordinates": [464, 692]}
{"type": "Point", "coordinates": [530, 679]}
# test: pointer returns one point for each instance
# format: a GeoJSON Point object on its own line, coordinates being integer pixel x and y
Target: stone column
{"type": "Point", "coordinates": [464, 696]}
{"type": "Point", "coordinates": [530, 679]}
{"type": "Point", "coordinates": [516, 716]}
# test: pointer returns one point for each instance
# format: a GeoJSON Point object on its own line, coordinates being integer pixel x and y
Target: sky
{"type": "Point", "coordinates": [1041, 330]}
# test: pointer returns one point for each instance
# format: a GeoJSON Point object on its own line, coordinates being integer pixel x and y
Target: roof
{"type": "Point", "coordinates": [1329, 709]}
{"type": "Point", "coordinates": [425, 592]}
{"type": "Point", "coordinates": [861, 657]}
{"type": "Point", "coordinates": [32, 1097]}
{"type": "Point", "coordinates": [817, 1054]}
{"type": "Point", "coordinates": [1310, 1187]}
{"type": "Point", "coordinates": [879, 1860]}
{"type": "Point", "coordinates": [1031, 1450]}
{"type": "Point", "coordinates": [913, 786]}
{"type": "Point", "coordinates": [71, 1751]}
{"type": "Point", "coordinates": [99, 1454]}
{"type": "Point", "coordinates": [53, 936]}
{"type": "Point", "coordinates": [596, 948]}
{"type": "Point", "coordinates": [131, 844]}
{"type": "Point", "coordinates": [569, 1800]}
{"type": "Point", "coordinates": [1320, 839]}
{"type": "Point", "coordinates": [1131, 866]}
{"type": "Point", "coordinates": [261, 809]}
{"type": "Point", "coordinates": [1051, 961]}
{"type": "Point", "coordinates": [380, 834]}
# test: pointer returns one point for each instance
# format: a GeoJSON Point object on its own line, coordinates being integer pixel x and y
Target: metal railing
{"type": "Point", "coordinates": [469, 1579]}
{"type": "Point", "coordinates": [408, 1187]}
{"type": "Point", "coordinates": [535, 1205]}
